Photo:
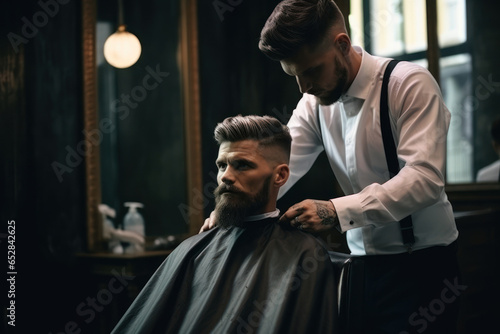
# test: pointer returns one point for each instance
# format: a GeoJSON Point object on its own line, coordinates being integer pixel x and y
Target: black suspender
{"type": "Point", "coordinates": [391, 155]}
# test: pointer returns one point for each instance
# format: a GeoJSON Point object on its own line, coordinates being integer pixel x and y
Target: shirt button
{"type": "Point", "coordinates": [351, 222]}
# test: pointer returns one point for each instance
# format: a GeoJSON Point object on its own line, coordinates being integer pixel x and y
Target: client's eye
{"type": "Point", "coordinates": [240, 165]}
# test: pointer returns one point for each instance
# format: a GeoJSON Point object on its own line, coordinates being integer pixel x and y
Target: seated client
{"type": "Point", "coordinates": [249, 274]}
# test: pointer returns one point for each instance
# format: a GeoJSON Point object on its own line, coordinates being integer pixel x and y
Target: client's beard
{"type": "Point", "coordinates": [233, 208]}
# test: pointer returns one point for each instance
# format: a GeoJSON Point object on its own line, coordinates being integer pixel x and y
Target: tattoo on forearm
{"type": "Point", "coordinates": [326, 214]}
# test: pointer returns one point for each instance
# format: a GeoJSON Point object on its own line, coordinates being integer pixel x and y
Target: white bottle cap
{"type": "Point", "coordinates": [133, 206]}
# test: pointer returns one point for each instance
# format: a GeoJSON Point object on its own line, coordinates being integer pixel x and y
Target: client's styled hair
{"type": "Point", "coordinates": [297, 23]}
{"type": "Point", "coordinates": [267, 130]}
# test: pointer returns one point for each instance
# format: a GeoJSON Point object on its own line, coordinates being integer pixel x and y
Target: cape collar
{"type": "Point", "coordinates": [272, 214]}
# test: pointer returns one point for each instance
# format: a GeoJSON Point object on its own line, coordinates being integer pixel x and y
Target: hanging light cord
{"type": "Point", "coordinates": [120, 14]}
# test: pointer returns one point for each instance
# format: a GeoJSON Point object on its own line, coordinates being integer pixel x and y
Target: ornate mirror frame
{"type": "Point", "coordinates": [188, 63]}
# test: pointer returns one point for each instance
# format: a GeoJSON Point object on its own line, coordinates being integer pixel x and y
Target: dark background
{"type": "Point", "coordinates": [41, 114]}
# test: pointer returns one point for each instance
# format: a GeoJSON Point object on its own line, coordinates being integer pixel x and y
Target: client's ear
{"type": "Point", "coordinates": [281, 174]}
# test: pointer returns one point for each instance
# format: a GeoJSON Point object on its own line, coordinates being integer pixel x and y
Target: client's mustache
{"type": "Point", "coordinates": [224, 188]}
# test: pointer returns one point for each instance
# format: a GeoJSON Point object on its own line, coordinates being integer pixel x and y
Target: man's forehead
{"type": "Point", "coordinates": [246, 148]}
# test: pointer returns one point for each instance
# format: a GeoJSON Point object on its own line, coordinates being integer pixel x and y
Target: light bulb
{"type": "Point", "coordinates": [122, 49]}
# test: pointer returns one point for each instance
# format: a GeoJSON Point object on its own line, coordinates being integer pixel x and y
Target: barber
{"type": "Point", "coordinates": [339, 114]}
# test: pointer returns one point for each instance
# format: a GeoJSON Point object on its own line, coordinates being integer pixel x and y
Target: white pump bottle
{"type": "Point", "coordinates": [134, 222]}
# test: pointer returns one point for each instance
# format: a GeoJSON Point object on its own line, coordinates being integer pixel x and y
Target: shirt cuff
{"type": "Point", "coordinates": [349, 212]}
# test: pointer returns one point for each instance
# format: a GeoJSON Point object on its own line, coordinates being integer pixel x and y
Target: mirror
{"type": "Point", "coordinates": [157, 96]}
{"type": "Point", "coordinates": [187, 133]}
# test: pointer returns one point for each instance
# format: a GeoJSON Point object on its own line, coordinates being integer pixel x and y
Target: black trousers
{"type": "Point", "coordinates": [410, 293]}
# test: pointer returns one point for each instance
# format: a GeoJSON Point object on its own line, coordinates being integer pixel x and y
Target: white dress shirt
{"type": "Point", "coordinates": [351, 136]}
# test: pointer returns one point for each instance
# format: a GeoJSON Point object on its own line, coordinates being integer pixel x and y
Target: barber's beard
{"type": "Point", "coordinates": [334, 95]}
{"type": "Point", "coordinates": [233, 206]}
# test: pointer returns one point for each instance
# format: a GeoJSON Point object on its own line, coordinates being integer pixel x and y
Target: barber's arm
{"type": "Point", "coordinates": [306, 141]}
{"type": "Point", "coordinates": [422, 121]}
{"type": "Point", "coordinates": [311, 216]}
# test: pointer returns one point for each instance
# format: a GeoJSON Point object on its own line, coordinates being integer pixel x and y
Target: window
{"type": "Point", "coordinates": [398, 29]}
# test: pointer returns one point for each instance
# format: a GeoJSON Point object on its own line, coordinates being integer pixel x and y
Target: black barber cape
{"type": "Point", "coordinates": [264, 278]}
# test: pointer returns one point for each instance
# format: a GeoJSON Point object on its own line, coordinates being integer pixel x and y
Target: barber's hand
{"type": "Point", "coordinates": [311, 215]}
{"type": "Point", "coordinates": [209, 223]}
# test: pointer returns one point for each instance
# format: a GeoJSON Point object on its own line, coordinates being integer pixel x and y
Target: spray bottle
{"type": "Point", "coordinates": [133, 222]}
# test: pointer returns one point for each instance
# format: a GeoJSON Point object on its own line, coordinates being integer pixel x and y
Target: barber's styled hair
{"type": "Point", "coordinates": [296, 23]}
{"type": "Point", "coordinates": [267, 130]}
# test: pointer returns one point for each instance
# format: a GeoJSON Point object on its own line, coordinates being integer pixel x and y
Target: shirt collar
{"type": "Point", "coordinates": [262, 216]}
{"type": "Point", "coordinates": [360, 87]}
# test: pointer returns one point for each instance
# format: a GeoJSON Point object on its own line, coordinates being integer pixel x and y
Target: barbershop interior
{"type": "Point", "coordinates": [106, 141]}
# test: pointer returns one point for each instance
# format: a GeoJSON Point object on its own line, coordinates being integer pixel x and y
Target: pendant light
{"type": "Point", "coordinates": [122, 49]}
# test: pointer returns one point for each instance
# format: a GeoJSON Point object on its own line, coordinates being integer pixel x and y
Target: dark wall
{"type": "Point", "coordinates": [41, 120]}
{"type": "Point", "coordinates": [484, 36]}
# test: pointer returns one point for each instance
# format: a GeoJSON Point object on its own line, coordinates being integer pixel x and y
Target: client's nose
{"type": "Point", "coordinates": [227, 177]}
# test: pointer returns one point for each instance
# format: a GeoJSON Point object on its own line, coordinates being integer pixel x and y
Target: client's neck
{"type": "Point", "coordinates": [270, 214]}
